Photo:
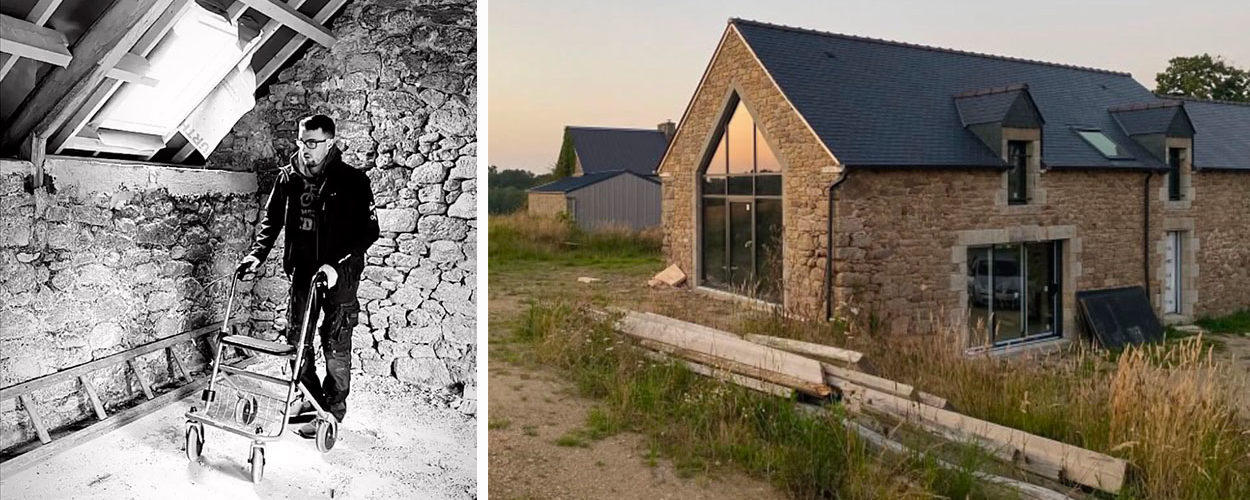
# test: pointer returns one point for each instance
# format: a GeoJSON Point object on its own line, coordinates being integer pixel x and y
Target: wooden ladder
{"type": "Point", "coordinates": [48, 446]}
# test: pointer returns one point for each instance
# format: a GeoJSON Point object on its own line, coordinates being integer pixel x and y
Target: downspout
{"type": "Point", "coordinates": [1145, 234]}
{"type": "Point", "coordinates": [829, 244]}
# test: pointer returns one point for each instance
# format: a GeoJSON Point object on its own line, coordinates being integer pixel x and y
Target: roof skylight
{"type": "Point", "coordinates": [1100, 142]}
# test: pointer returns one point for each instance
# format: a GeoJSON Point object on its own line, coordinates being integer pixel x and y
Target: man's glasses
{"type": "Point", "coordinates": [312, 143]}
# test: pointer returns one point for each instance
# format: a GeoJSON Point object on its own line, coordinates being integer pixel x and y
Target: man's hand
{"type": "Point", "coordinates": [247, 266]}
{"type": "Point", "coordinates": [332, 276]}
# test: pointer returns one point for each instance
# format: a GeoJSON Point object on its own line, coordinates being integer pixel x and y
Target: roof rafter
{"type": "Point", "coordinates": [294, 44]}
{"type": "Point", "coordinates": [26, 39]}
{"type": "Point", "coordinates": [38, 16]}
{"type": "Point", "coordinates": [99, 49]}
{"type": "Point", "coordinates": [133, 68]}
{"type": "Point", "coordinates": [102, 93]}
{"type": "Point", "coordinates": [288, 16]}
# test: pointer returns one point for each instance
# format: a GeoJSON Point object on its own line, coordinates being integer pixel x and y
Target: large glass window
{"type": "Point", "coordinates": [1013, 292]}
{"type": "Point", "coordinates": [741, 211]}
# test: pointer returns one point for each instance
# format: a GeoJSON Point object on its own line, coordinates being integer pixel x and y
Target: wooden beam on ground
{"type": "Point", "coordinates": [866, 380]}
{"type": "Point", "coordinates": [25, 39]}
{"type": "Point", "coordinates": [288, 16]}
{"type": "Point", "coordinates": [69, 441]}
{"type": "Point", "coordinates": [183, 374]}
{"type": "Point", "coordinates": [1043, 456]}
{"type": "Point", "coordinates": [735, 355]}
{"type": "Point", "coordinates": [133, 68]}
{"type": "Point", "coordinates": [36, 420]}
{"type": "Point", "coordinates": [101, 94]}
{"type": "Point", "coordinates": [95, 398]}
{"type": "Point", "coordinates": [808, 348]}
{"type": "Point", "coordinates": [695, 327]}
{"type": "Point", "coordinates": [64, 90]}
{"type": "Point", "coordinates": [1025, 490]}
{"type": "Point", "coordinates": [295, 42]}
{"type": "Point", "coordinates": [85, 368]}
{"type": "Point", "coordinates": [723, 375]}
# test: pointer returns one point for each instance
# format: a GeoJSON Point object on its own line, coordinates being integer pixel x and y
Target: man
{"type": "Point", "coordinates": [327, 208]}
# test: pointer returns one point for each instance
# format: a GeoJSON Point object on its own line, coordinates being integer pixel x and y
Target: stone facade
{"type": "Point", "coordinates": [547, 204]}
{"type": "Point", "coordinates": [400, 85]}
{"type": "Point", "coordinates": [901, 236]}
{"type": "Point", "coordinates": [808, 170]}
{"type": "Point", "coordinates": [88, 270]}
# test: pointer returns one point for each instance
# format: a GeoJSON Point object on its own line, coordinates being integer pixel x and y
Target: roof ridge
{"type": "Point", "coordinates": [1199, 99]}
{"type": "Point", "coordinates": [882, 41]}
{"type": "Point", "coordinates": [992, 90]}
{"type": "Point", "coordinates": [621, 129]}
{"type": "Point", "coordinates": [1142, 106]}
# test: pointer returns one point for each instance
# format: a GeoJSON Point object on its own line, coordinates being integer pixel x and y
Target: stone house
{"type": "Point", "coordinates": [952, 189]}
{"type": "Point", "coordinates": [613, 181]}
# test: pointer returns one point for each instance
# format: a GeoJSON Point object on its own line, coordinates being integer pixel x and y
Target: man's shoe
{"type": "Point", "coordinates": [304, 413]}
{"type": "Point", "coordinates": [307, 431]}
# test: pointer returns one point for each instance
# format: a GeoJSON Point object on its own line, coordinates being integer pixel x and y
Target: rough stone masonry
{"type": "Point", "coordinates": [401, 87]}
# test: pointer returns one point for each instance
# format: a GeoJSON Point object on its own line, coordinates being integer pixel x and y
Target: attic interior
{"type": "Point", "coordinates": [150, 80]}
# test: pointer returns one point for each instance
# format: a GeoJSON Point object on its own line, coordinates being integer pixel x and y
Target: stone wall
{"type": "Point", "coordinates": [546, 204]}
{"type": "Point", "coordinates": [401, 87]}
{"type": "Point", "coordinates": [807, 167]}
{"type": "Point", "coordinates": [114, 256]}
{"type": "Point", "coordinates": [1221, 206]}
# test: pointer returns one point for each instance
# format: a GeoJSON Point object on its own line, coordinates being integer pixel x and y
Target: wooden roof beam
{"type": "Point", "coordinates": [133, 68]}
{"type": "Point", "coordinates": [294, 44]}
{"type": "Point", "coordinates": [64, 90]}
{"type": "Point", "coordinates": [25, 39]}
{"type": "Point", "coordinates": [288, 16]}
{"type": "Point", "coordinates": [101, 94]}
{"type": "Point", "coordinates": [38, 16]}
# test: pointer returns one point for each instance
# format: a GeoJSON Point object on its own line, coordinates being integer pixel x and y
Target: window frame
{"type": "Point", "coordinates": [1018, 154]}
{"type": "Point", "coordinates": [1176, 161]}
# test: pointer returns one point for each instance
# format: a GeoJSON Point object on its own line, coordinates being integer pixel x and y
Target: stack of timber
{"type": "Point", "coordinates": [726, 352]}
{"type": "Point", "coordinates": [775, 366]}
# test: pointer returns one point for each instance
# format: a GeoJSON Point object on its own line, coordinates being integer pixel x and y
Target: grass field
{"type": "Point", "coordinates": [1167, 409]}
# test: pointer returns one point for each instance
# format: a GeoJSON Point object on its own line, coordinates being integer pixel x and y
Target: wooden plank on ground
{"type": "Point", "coordinates": [1045, 456]}
{"type": "Point", "coordinates": [85, 368]}
{"type": "Point", "coordinates": [93, 397]}
{"type": "Point", "coordinates": [687, 325]}
{"type": "Point", "coordinates": [736, 355]}
{"type": "Point", "coordinates": [36, 420]}
{"type": "Point", "coordinates": [182, 370]}
{"type": "Point", "coordinates": [808, 348]}
{"type": "Point", "coordinates": [23, 38]}
{"type": "Point", "coordinates": [766, 387]}
{"type": "Point", "coordinates": [143, 379]}
{"type": "Point", "coordinates": [69, 441]}
{"type": "Point", "coordinates": [871, 381]}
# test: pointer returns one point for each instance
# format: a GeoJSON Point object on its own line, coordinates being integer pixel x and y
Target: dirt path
{"type": "Point", "coordinates": [1237, 351]}
{"type": "Point", "coordinates": [397, 442]}
{"type": "Point", "coordinates": [531, 408]}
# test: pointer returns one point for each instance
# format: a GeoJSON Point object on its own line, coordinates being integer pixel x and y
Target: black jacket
{"type": "Point", "coordinates": [347, 222]}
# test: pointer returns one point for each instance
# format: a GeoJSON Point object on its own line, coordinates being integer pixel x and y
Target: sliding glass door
{"type": "Point", "coordinates": [1013, 292]}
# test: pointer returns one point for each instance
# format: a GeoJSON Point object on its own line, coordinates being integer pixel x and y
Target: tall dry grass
{"type": "Point", "coordinates": [523, 237]}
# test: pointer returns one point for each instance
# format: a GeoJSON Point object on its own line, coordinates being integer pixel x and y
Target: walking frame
{"type": "Point", "coordinates": [251, 413]}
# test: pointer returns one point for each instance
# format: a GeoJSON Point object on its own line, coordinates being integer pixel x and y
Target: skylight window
{"type": "Point", "coordinates": [1100, 142]}
{"type": "Point", "coordinates": [197, 52]}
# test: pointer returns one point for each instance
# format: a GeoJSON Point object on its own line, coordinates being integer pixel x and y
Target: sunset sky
{"type": "Point", "coordinates": [636, 63]}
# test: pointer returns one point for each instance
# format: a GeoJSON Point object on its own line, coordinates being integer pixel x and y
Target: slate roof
{"type": "Point", "coordinates": [570, 184]}
{"type": "Point", "coordinates": [1152, 118]}
{"type": "Point", "coordinates": [882, 103]}
{"type": "Point", "coordinates": [1221, 133]}
{"type": "Point", "coordinates": [609, 149]}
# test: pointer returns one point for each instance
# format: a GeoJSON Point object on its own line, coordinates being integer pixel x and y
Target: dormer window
{"type": "Point", "coordinates": [1018, 176]}
{"type": "Point", "coordinates": [1175, 156]}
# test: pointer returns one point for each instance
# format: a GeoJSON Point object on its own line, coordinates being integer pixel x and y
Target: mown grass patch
{"type": "Point", "coordinates": [1237, 323]}
{"type": "Point", "coordinates": [518, 239]}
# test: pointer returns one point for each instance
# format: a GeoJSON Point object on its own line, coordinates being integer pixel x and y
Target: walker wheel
{"type": "Point", "coordinates": [327, 434]}
{"type": "Point", "coordinates": [195, 441]}
{"type": "Point", "coordinates": [258, 463]}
